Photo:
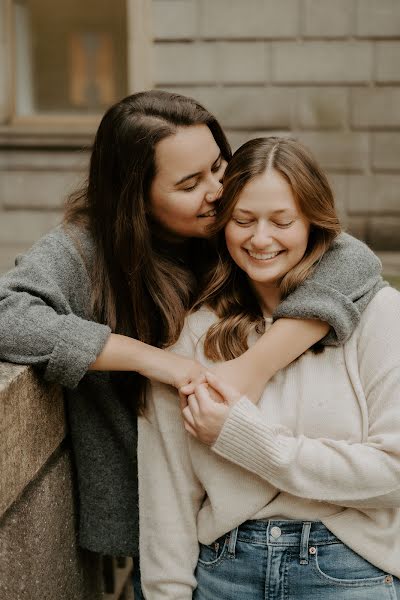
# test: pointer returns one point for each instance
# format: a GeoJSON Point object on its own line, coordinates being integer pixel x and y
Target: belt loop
{"type": "Point", "coordinates": [305, 536]}
{"type": "Point", "coordinates": [232, 542]}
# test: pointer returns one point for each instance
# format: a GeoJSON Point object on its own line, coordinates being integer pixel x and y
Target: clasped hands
{"type": "Point", "coordinates": [205, 406]}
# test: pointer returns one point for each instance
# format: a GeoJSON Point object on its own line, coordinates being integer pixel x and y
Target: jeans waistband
{"type": "Point", "coordinates": [302, 534]}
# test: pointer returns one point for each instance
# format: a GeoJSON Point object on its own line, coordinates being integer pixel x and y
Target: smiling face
{"type": "Point", "coordinates": [189, 169]}
{"type": "Point", "coordinates": [267, 235]}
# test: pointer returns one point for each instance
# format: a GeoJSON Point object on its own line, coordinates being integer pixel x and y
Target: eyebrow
{"type": "Point", "coordinates": [187, 177]}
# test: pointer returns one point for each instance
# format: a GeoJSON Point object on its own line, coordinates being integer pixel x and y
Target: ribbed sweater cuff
{"type": "Point", "coordinates": [78, 345]}
{"type": "Point", "coordinates": [248, 442]}
{"type": "Point", "coordinates": [315, 301]}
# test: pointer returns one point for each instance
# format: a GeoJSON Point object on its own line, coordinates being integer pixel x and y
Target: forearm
{"type": "Point", "coordinates": [325, 470]}
{"type": "Point", "coordinates": [122, 353]}
{"type": "Point", "coordinates": [284, 341]}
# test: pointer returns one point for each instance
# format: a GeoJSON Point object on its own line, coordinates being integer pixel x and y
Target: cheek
{"type": "Point", "coordinates": [232, 238]}
{"type": "Point", "coordinates": [297, 239]}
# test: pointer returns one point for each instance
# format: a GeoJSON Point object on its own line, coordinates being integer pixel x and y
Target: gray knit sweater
{"type": "Point", "coordinates": [45, 322]}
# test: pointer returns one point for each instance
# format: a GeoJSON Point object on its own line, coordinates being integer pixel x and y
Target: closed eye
{"type": "Point", "coordinates": [283, 225]}
{"type": "Point", "coordinates": [216, 167]}
{"type": "Point", "coordinates": [242, 222]}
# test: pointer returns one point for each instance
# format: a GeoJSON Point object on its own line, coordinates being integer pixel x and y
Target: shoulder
{"type": "Point", "coordinates": [384, 308]}
{"type": "Point", "coordinates": [378, 333]}
{"type": "Point", "coordinates": [64, 244]}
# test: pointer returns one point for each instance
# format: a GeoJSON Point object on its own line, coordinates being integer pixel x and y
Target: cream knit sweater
{"type": "Point", "coordinates": [322, 444]}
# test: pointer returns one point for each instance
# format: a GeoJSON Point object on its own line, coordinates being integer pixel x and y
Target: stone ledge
{"type": "Point", "coordinates": [32, 426]}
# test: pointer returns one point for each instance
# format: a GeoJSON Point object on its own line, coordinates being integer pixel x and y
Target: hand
{"type": "Point", "coordinates": [205, 417]}
{"type": "Point", "coordinates": [182, 371]}
{"type": "Point", "coordinates": [241, 374]}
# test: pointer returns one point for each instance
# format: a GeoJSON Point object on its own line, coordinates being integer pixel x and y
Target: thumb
{"type": "Point", "coordinates": [229, 393]}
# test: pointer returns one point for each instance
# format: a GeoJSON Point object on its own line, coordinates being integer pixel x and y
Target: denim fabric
{"type": "Point", "coordinates": [288, 560]}
{"type": "Point", "coordinates": [136, 582]}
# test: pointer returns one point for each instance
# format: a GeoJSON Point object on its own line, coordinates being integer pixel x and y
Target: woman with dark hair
{"type": "Point", "coordinates": [298, 496]}
{"type": "Point", "coordinates": [94, 302]}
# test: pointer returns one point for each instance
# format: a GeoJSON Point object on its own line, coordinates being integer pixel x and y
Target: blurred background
{"type": "Point", "coordinates": [325, 71]}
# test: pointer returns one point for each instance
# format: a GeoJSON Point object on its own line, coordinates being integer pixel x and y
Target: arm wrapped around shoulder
{"type": "Point", "coordinates": [340, 288]}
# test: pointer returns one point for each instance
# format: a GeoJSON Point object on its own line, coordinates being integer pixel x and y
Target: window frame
{"type": "Point", "coordinates": [139, 75]}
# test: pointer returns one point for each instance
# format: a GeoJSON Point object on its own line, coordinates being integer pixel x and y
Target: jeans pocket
{"type": "Point", "coordinates": [337, 563]}
{"type": "Point", "coordinates": [212, 554]}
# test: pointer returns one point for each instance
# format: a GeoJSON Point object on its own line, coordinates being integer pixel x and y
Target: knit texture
{"type": "Point", "coordinates": [323, 444]}
{"type": "Point", "coordinates": [45, 322]}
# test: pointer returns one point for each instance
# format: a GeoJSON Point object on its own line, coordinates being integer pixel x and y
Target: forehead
{"type": "Point", "coordinates": [190, 150]}
{"type": "Point", "coordinates": [269, 191]}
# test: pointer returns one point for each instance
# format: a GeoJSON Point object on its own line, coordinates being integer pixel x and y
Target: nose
{"type": "Point", "coordinates": [215, 188]}
{"type": "Point", "coordinates": [262, 237]}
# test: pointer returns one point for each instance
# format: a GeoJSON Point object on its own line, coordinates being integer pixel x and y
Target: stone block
{"type": "Point", "coordinates": [383, 233]}
{"type": "Point", "coordinates": [375, 108]}
{"type": "Point", "coordinates": [39, 557]}
{"type": "Point", "coordinates": [185, 63]}
{"type": "Point", "coordinates": [243, 62]}
{"type": "Point", "coordinates": [388, 61]}
{"type": "Point", "coordinates": [338, 183]}
{"type": "Point", "coordinates": [32, 427]}
{"type": "Point", "coordinates": [357, 226]}
{"type": "Point", "coordinates": [174, 19]}
{"type": "Point", "coordinates": [37, 189]}
{"type": "Point", "coordinates": [249, 108]}
{"type": "Point", "coordinates": [322, 108]}
{"type": "Point", "coordinates": [25, 227]}
{"type": "Point", "coordinates": [263, 19]}
{"type": "Point", "coordinates": [44, 160]}
{"type": "Point", "coordinates": [386, 151]}
{"type": "Point", "coordinates": [344, 151]}
{"type": "Point", "coordinates": [324, 18]}
{"type": "Point", "coordinates": [238, 138]}
{"type": "Point", "coordinates": [378, 18]}
{"type": "Point", "coordinates": [375, 194]}
{"type": "Point", "coordinates": [322, 62]}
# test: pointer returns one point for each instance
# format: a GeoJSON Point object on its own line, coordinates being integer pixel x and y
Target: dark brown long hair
{"type": "Point", "coordinates": [141, 286]}
{"type": "Point", "coordinates": [228, 292]}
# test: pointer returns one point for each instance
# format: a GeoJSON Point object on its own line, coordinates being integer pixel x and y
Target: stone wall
{"type": "Point", "coordinates": [324, 71]}
{"type": "Point", "coordinates": [39, 556]}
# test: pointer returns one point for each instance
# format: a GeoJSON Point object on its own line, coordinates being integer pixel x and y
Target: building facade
{"type": "Point", "coordinates": [325, 72]}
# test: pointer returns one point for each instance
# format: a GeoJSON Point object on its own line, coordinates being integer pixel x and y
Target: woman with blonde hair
{"type": "Point", "coordinates": [298, 496]}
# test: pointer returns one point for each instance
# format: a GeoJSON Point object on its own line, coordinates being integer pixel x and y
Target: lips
{"type": "Point", "coordinates": [263, 256]}
{"type": "Point", "coordinates": [210, 213]}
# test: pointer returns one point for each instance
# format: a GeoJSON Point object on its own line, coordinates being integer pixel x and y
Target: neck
{"type": "Point", "coordinates": [268, 296]}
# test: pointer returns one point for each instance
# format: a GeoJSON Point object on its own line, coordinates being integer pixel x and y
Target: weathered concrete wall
{"type": "Point", "coordinates": [39, 556]}
{"type": "Point", "coordinates": [326, 72]}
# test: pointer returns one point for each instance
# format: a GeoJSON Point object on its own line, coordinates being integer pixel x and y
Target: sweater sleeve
{"type": "Point", "coordinates": [342, 285]}
{"type": "Point", "coordinates": [38, 305]}
{"type": "Point", "coordinates": [170, 497]}
{"type": "Point", "coordinates": [360, 475]}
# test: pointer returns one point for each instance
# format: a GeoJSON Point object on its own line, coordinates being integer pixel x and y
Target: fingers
{"type": "Point", "coordinates": [187, 389]}
{"type": "Point", "coordinates": [224, 389]}
{"type": "Point", "coordinates": [193, 405]}
{"type": "Point", "coordinates": [188, 417]}
{"type": "Point", "coordinates": [203, 397]}
{"type": "Point", "coordinates": [182, 400]}
{"type": "Point", "coordinates": [188, 421]}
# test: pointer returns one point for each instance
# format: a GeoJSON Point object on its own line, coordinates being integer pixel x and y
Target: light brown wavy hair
{"type": "Point", "coordinates": [142, 285]}
{"type": "Point", "coordinates": [228, 292]}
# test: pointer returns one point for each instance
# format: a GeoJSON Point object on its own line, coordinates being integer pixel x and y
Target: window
{"type": "Point", "coordinates": [70, 56]}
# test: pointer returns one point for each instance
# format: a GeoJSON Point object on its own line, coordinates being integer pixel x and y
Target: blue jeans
{"type": "Point", "coordinates": [288, 560]}
{"type": "Point", "coordinates": [136, 584]}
